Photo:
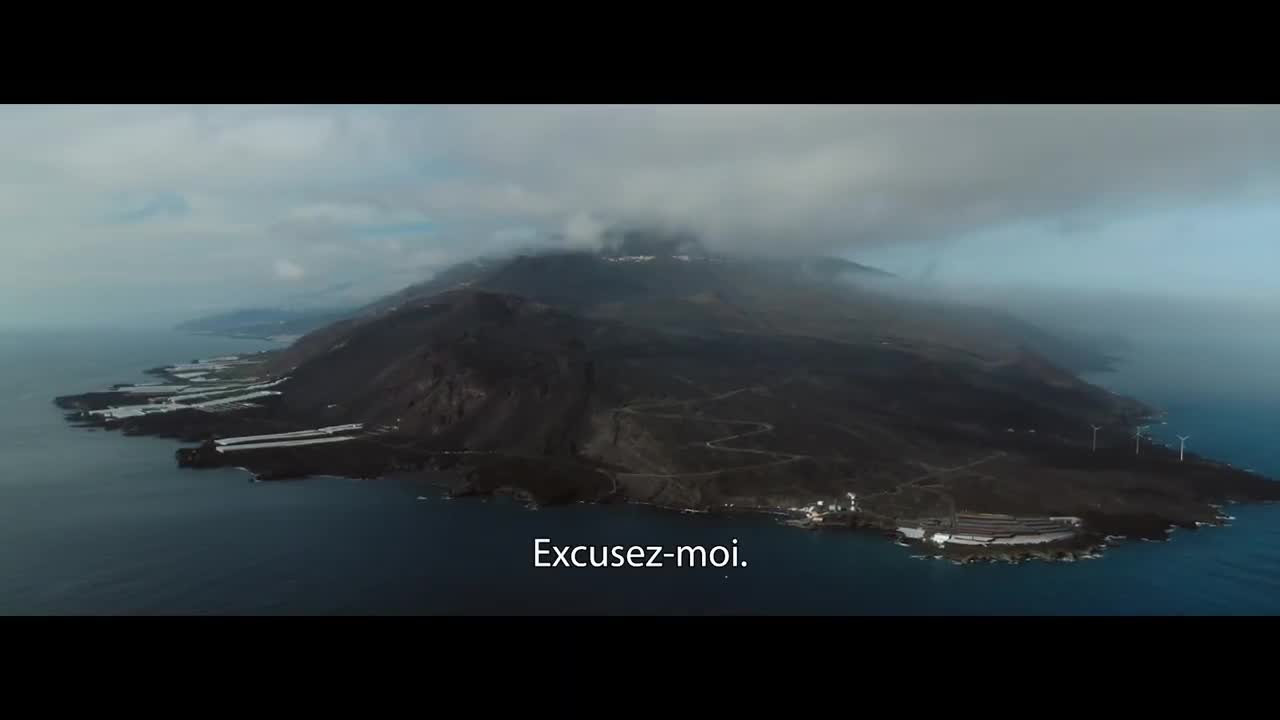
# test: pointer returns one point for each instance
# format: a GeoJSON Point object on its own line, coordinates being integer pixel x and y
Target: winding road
{"type": "Point", "coordinates": [760, 426]}
{"type": "Point", "coordinates": [933, 474]}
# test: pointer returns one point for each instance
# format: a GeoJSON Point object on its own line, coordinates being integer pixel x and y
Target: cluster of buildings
{"type": "Point", "coordinates": [645, 258]}
{"type": "Point", "coordinates": [171, 398]}
{"type": "Point", "coordinates": [821, 508]}
{"type": "Point", "coordinates": [188, 383]}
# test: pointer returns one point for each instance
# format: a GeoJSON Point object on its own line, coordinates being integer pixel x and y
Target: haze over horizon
{"type": "Point", "coordinates": [145, 215]}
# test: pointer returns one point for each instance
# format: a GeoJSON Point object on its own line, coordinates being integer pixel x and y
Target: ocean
{"type": "Point", "coordinates": [93, 522]}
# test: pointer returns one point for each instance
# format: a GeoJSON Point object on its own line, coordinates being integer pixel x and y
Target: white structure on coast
{"type": "Point", "coordinates": [284, 443]}
{"type": "Point", "coordinates": [287, 436]}
{"type": "Point", "coordinates": [981, 529]}
{"type": "Point", "coordinates": [199, 393]}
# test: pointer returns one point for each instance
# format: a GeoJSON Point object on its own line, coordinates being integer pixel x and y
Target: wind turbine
{"type": "Point", "coordinates": [1096, 428]}
{"type": "Point", "coordinates": [1137, 438]}
{"type": "Point", "coordinates": [1183, 447]}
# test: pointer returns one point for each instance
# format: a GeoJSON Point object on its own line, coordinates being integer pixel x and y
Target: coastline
{"type": "Point", "coordinates": [1085, 545]}
{"type": "Point", "coordinates": [283, 340]}
{"type": "Point", "coordinates": [228, 376]}
{"type": "Point", "coordinates": [415, 545]}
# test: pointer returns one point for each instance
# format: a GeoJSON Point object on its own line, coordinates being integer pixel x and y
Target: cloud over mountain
{"type": "Point", "coordinates": [378, 191]}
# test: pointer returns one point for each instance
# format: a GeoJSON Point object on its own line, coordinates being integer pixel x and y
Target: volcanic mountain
{"type": "Point", "coordinates": [672, 283]}
{"type": "Point", "coordinates": [656, 371]}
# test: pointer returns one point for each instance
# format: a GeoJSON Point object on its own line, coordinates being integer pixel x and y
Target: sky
{"type": "Point", "coordinates": [154, 214]}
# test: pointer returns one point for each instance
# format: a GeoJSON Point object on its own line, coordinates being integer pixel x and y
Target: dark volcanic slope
{"type": "Point", "coordinates": [693, 381]}
{"type": "Point", "coordinates": [752, 419]}
{"type": "Point", "coordinates": [483, 370]}
{"type": "Point", "coordinates": [466, 370]}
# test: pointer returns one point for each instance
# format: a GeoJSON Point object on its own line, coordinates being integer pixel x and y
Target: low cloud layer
{"type": "Point", "coordinates": [209, 199]}
{"type": "Point", "coordinates": [829, 178]}
{"type": "Point", "coordinates": [286, 270]}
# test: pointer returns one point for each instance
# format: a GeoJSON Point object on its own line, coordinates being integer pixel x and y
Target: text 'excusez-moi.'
{"type": "Point", "coordinates": [545, 554]}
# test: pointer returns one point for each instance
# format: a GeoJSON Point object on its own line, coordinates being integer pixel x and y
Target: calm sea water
{"type": "Point", "coordinates": [98, 523]}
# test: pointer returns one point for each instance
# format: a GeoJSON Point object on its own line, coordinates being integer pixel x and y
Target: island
{"type": "Point", "coordinates": [276, 324]}
{"type": "Point", "coordinates": [654, 372]}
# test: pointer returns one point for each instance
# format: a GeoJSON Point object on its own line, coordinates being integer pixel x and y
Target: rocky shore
{"type": "Point", "coordinates": [1087, 544]}
{"type": "Point", "coordinates": [548, 439]}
